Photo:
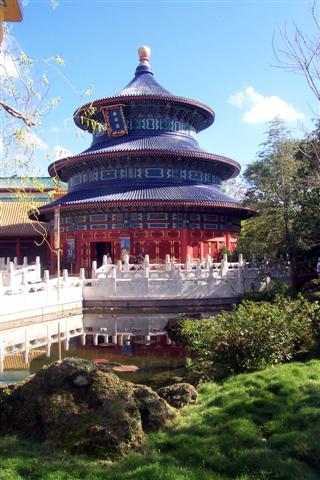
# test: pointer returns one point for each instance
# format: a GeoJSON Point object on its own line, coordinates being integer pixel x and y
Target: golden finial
{"type": "Point", "coordinates": [144, 54]}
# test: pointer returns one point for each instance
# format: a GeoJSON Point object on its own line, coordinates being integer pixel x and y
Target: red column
{"type": "Point", "coordinates": [201, 250]}
{"type": "Point", "coordinates": [18, 251]}
{"type": "Point", "coordinates": [184, 244]}
{"type": "Point", "coordinates": [228, 241]}
{"type": "Point", "coordinates": [78, 251]}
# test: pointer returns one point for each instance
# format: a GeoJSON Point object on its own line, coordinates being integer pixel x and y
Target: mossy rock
{"type": "Point", "coordinates": [179, 394]}
{"type": "Point", "coordinates": [154, 410]}
{"type": "Point", "coordinates": [81, 408]}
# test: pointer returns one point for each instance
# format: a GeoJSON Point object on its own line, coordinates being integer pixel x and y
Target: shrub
{"type": "Point", "coordinates": [253, 336]}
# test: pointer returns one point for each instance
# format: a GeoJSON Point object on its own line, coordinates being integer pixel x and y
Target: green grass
{"type": "Point", "coordinates": [263, 425]}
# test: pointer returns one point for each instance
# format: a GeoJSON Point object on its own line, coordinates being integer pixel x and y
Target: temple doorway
{"type": "Point", "coordinates": [99, 249]}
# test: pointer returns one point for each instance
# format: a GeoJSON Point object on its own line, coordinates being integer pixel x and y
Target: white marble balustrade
{"type": "Point", "coordinates": [24, 293]}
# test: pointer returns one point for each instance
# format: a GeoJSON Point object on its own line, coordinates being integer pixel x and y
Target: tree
{"type": "Point", "coordinates": [307, 221]}
{"type": "Point", "coordinates": [282, 186]}
{"type": "Point", "coordinates": [25, 101]}
{"type": "Point", "coordinates": [272, 186]}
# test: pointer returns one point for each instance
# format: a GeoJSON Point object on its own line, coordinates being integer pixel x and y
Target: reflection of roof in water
{"type": "Point", "coordinates": [16, 361]}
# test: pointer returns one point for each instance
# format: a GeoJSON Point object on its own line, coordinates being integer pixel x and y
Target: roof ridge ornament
{"type": "Point", "coordinates": [144, 66]}
{"type": "Point", "coordinates": [144, 53]}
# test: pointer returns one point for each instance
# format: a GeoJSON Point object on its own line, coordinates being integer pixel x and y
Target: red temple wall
{"type": "Point", "coordinates": [79, 249]}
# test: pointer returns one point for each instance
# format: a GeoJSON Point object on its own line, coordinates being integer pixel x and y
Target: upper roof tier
{"type": "Point", "coordinates": [144, 89]}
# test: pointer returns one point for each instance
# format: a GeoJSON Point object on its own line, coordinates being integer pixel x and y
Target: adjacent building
{"type": "Point", "coordinates": [19, 236]}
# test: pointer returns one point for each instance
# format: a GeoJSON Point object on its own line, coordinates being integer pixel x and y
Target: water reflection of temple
{"type": "Point", "coordinates": [119, 330]}
{"type": "Point", "coordinates": [20, 345]}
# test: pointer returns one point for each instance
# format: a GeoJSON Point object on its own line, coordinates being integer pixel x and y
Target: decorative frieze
{"type": "Point", "coordinates": [150, 220]}
{"type": "Point", "coordinates": [141, 173]}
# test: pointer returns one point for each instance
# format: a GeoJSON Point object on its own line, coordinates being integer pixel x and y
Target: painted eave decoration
{"type": "Point", "coordinates": [10, 11]}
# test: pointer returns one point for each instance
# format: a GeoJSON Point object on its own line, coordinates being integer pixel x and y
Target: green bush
{"type": "Point", "coordinates": [251, 337]}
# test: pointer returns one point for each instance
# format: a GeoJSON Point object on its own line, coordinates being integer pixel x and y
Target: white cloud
{"type": "Point", "coordinates": [260, 109]}
{"type": "Point", "coordinates": [55, 129]}
{"type": "Point", "coordinates": [8, 67]}
{"type": "Point", "coordinates": [61, 152]}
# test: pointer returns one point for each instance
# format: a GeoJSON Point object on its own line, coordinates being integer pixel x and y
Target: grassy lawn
{"type": "Point", "coordinates": [264, 425]}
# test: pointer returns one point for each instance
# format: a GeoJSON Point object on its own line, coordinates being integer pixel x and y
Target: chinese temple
{"type": "Point", "coordinates": [144, 186]}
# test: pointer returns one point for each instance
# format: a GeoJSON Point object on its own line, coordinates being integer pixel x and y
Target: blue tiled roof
{"type": "Point", "coordinates": [143, 87]}
{"type": "Point", "coordinates": [149, 191]}
{"type": "Point", "coordinates": [156, 143]}
{"type": "Point", "coordinates": [147, 141]}
{"type": "Point", "coordinates": [144, 84]}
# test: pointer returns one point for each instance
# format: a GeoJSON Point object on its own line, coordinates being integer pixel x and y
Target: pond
{"type": "Point", "coordinates": [136, 341]}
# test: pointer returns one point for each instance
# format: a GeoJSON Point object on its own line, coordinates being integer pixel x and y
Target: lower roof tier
{"type": "Point", "coordinates": [130, 194]}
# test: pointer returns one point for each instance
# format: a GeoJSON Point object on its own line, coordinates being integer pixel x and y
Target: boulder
{"type": "Point", "coordinates": [81, 408]}
{"type": "Point", "coordinates": [179, 394]}
{"type": "Point", "coordinates": [154, 410]}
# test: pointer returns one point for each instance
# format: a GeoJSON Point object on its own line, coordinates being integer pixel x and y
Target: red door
{"type": "Point", "coordinates": [85, 260]}
{"type": "Point", "coordinates": [195, 250]}
{"type": "Point", "coordinates": [164, 249]}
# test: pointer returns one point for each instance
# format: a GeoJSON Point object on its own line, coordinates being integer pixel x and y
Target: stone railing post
{"type": "Point", "coordinates": [146, 262]}
{"type": "Point", "coordinates": [38, 268]}
{"type": "Point", "coordinates": [208, 262]}
{"type": "Point", "coordinates": [146, 280]}
{"type": "Point", "coordinates": [104, 260]}
{"type": "Point", "coordinates": [82, 274]}
{"type": "Point", "coordinates": [65, 276]}
{"type": "Point", "coordinates": [94, 269]}
{"type": "Point", "coordinates": [119, 266]}
{"type": "Point", "coordinates": [224, 265]}
{"type": "Point", "coordinates": [241, 274]}
{"type": "Point", "coordinates": [46, 279]}
{"type": "Point", "coordinates": [168, 263]}
{"type": "Point", "coordinates": [198, 268]}
{"type": "Point", "coordinates": [11, 274]}
{"type": "Point", "coordinates": [25, 261]}
{"type": "Point", "coordinates": [187, 265]}
{"type": "Point", "coordinates": [126, 267]}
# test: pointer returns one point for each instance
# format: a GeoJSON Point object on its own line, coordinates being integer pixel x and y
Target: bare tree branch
{"type": "Point", "coordinates": [300, 52]}
{"type": "Point", "coordinates": [16, 114]}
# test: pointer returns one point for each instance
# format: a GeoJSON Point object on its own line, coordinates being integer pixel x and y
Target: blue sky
{"type": "Point", "coordinates": [218, 52]}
